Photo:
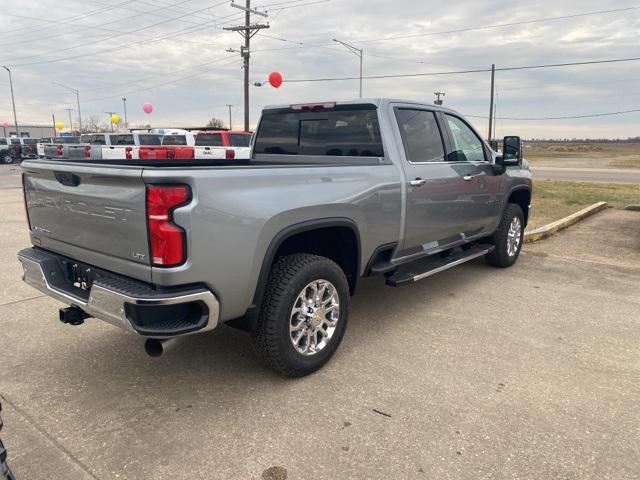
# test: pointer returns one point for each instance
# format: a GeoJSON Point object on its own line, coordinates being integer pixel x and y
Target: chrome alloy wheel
{"type": "Point", "coordinates": [514, 236]}
{"type": "Point", "coordinates": [314, 317]}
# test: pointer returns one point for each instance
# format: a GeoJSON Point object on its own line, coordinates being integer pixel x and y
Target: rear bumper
{"type": "Point", "coordinates": [135, 306]}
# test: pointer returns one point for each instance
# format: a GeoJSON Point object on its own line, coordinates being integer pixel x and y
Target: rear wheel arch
{"type": "Point", "coordinates": [335, 238]}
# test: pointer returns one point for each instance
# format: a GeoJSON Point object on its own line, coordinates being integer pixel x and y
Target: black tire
{"type": "Point", "coordinates": [6, 158]}
{"type": "Point", "coordinates": [271, 338]}
{"type": "Point", "coordinates": [500, 257]}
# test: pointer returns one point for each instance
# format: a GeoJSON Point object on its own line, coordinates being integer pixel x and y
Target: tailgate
{"type": "Point", "coordinates": [91, 214]}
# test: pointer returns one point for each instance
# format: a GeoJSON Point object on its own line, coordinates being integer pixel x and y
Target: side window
{"type": "Point", "coordinates": [420, 135]}
{"type": "Point", "coordinates": [467, 147]}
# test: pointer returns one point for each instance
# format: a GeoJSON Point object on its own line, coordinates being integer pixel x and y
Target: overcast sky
{"type": "Point", "coordinates": [172, 54]}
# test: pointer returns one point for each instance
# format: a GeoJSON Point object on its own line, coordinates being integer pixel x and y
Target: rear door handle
{"type": "Point", "coordinates": [418, 182]}
{"type": "Point", "coordinates": [468, 178]}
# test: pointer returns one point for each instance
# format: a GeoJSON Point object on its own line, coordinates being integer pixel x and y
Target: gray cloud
{"type": "Point", "coordinates": [189, 77]}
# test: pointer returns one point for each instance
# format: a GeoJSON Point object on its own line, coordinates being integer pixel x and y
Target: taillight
{"type": "Point", "coordinates": [87, 151]}
{"type": "Point", "coordinates": [24, 197]}
{"type": "Point", "coordinates": [127, 152]}
{"type": "Point", "coordinates": [58, 150]}
{"type": "Point", "coordinates": [171, 153]}
{"type": "Point", "coordinates": [167, 241]}
{"type": "Point", "coordinates": [230, 154]}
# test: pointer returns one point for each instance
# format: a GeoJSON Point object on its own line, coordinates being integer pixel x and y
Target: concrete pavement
{"type": "Point", "coordinates": [529, 373]}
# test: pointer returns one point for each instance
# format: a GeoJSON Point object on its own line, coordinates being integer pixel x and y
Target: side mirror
{"type": "Point", "coordinates": [511, 151]}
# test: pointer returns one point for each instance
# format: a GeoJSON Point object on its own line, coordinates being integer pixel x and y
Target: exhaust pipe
{"type": "Point", "coordinates": [156, 348]}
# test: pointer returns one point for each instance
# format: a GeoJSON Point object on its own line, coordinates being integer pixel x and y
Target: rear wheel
{"type": "Point", "coordinates": [6, 158]}
{"type": "Point", "coordinates": [303, 316]}
{"type": "Point", "coordinates": [508, 237]}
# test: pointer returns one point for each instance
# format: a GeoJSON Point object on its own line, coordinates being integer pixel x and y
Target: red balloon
{"type": "Point", "coordinates": [275, 79]}
{"type": "Point", "coordinates": [5, 124]}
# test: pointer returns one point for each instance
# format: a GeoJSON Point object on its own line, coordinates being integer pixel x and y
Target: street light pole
{"type": "Point", "coordinates": [77, 92]}
{"type": "Point", "coordinates": [359, 52]}
{"type": "Point", "coordinates": [230, 119]}
{"type": "Point", "coordinates": [13, 102]}
{"type": "Point", "coordinates": [126, 124]}
{"type": "Point", "coordinates": [70, 121]}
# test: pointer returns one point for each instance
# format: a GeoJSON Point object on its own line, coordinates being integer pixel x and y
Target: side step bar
{"type": "Point", "coordinates": [400, 279]}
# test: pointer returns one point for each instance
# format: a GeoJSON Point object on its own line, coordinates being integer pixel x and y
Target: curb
{"type": "Point", "coordinates": [553, 228]}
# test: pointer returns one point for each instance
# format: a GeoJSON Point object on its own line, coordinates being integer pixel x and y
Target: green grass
{"type": "Point", "coordinates": [554, 199]}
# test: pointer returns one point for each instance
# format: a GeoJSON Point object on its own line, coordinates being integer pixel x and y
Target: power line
{"type": "Point", "coordinates": [568, 117]}
{"type": "Point", "coordinates": [460, 72]}
{"type": "Point", "coordinates": [500, 25]}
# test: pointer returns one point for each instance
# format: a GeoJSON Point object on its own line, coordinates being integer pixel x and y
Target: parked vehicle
{"type": "Point", "coordinates": [5, 472]}
{"type": "Point", "coordinates": [4, 148]}
{"type": "Point", "coordinates": [48, 141]}
{"type": "Point", "coordinates": [20, 149]}
{"type": "Point", "coordinates": [104, 146]}
{"type": "Point", "coordinates": [239, 142]}
{"type": "Point", "coordinates": [275, 246]}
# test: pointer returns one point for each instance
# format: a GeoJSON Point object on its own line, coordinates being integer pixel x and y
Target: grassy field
{"type": "Point", "coordinates": [554, 199]}
{"type": "Point", "coordinates": [551, 150]}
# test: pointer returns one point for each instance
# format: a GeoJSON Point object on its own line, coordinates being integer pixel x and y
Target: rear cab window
{"type": "Point", "coordinates": [121, 140]}
{"type": "Point", "coordinates": [93, 139]}
{"type": "Point", "coordinates": [174, 140]}
{"type": "Point", "coordinates": [150, 139]}
{"type": "Point", "coordinates": [346, 130]}
{"type": "Point", "coordinates": [239, 139]}
{"type": "Point", "coordinates": [209, 140]}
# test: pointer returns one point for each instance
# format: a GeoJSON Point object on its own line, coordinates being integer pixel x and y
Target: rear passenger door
{"type": "Point", "coordinates": [435, 214]}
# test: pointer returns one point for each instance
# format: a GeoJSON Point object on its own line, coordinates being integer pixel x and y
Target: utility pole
{"type": "Point", "coordinates": [70, 121]}
{"type": "Point", "coordinates": [438, 95]}
{"type": "Point", "coordinates": [77, 92]}
{"type": "Point", "coordinates": [359, 52]}
{"type": "Point", "coordinates": [124, 101]}
{"type": "Point", "coordinates": [247, 31]}
{"type": "Point", "coordinates": [13, 102]}
{"type": "Point", "coordinates": [53, 117]}
{"type": "Point", "coordinates": [230, 119]}
{"type": "Point", "coordinates": [493, 79]}
{"type": "Point", "coordinates": [110, 122]}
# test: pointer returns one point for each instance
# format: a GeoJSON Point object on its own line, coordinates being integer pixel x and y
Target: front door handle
{"type": "Point", "coordinates": [468, 178]}
{"type": "Point", "coordinates": [418, 182]}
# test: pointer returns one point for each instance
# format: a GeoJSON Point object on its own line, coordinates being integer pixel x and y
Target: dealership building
{"type": "Point", "coordinates": [29, 130]}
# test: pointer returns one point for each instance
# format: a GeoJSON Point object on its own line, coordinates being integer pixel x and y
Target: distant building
{"type": "Point", "coordinates": [28, 130]}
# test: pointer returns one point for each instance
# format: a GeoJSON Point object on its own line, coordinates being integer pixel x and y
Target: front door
{"type": "Point", "coordinates": [436, 192]}
{"type": "Point", "coordinates": [482, 187]}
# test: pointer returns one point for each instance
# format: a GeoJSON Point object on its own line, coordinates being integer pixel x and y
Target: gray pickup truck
{"type": "Point", "coordinates": [274, 245]}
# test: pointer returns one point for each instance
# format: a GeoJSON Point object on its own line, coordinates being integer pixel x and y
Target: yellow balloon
{"type": "Point", "coordinates": [59, 125]}
{"type": "Point", "coordinates": [115, 119]}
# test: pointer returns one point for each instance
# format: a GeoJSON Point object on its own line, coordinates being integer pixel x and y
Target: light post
{"type": "Point", "coordinates": [124, 101]}
{"type": "Point", "coordinates": [13, 102]}
{"type": "Point", "coordinates": [77, 92]}
{"type": "Point", "coordinates": [358, 52]}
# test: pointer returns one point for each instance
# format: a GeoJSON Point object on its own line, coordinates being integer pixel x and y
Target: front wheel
{"type": "Point", "coordinates": [303, 315]}
{"type": "Point", "coordinates": [508, 237]}
{"type": "Point", "coordinates": [8, 159]}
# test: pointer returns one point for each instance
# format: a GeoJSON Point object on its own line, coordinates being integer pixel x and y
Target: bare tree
{"type": "Point", "coordinates": [215, 123]}
{"type": "Point", "coordinates": [94, 123]}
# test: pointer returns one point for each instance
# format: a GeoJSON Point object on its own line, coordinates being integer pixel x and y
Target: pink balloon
{"type": "Point", "coordinates": [5, 124]}
{"type": "Point", "coordinates": [147, 107]}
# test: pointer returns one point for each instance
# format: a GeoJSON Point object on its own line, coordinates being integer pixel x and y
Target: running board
{"type": "Point", "coordinates": [400, 279]}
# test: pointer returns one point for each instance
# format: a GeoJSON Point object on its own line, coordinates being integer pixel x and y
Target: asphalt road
{"type": "Point", "coordinates": [584, 174]}
{"type": "Point", "coordinates": [477, 373]}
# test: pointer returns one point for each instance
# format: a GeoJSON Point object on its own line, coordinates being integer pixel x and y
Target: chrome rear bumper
{"type": "Point", "coordinates": [119, 300]}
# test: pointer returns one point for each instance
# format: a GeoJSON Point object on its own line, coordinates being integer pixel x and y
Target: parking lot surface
{"type": "Point", "coordinates": [529, 372]}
